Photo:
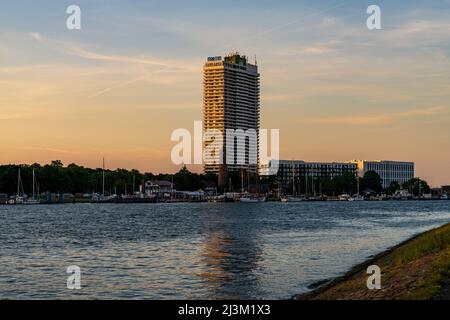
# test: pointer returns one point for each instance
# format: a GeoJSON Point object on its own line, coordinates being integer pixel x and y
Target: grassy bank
{"type": "Point", "coordinates": [416, 269]}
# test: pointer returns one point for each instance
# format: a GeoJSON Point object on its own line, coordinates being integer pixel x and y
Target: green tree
{"type": "Point", "coordinates": [373, 181]}
{"type": "Point", "coordinates": [345, 183]}
{"type": "Point", "coordinates": [393, 187]}
{"type": "Point", "coordinates": [56, 163]}
{"type": "Point", "coordinates": [417, 186]}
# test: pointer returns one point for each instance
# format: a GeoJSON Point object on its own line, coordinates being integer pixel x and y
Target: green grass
{"type": "Point", "coordinates": [434, 241]}
{"type": "Point", "coordinates": [430, 287]}
{"type": "Point", "coordinates": [419, 268]}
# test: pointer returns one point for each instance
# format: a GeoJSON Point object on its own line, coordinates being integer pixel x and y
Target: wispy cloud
{"type": "Point", "coordinates": [15, 116]}
{"type": "Point", "coordinates": [125, 83]}
{"type": "Point", "coordinates": [85, 54]}
{"type": "Point", "coordinates": [78, 51]}
{"type": "Point", "coordinates": [376, 119]}
{"type": "Point", "coordinates": [313, 13]}
{"type": "Point", "coordinates": [37, 36]}
{"type": "Point", "coordinates": [146, 67]}
{"type": "Point", "coordinates": [314, 49]}
{"type": "Point", "coordinates": [422, 31]}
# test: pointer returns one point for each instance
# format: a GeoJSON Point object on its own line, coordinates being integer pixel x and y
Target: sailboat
{"type": "Point", "coordinates": [345, 197]}
{"type": "Point", "coordinates": [358, 196]}
{"type": "Point", "coordinates": [281, 197]}
{"type": "Point", "coordinates": [33, 200]}
{"type": "Point", "coordinates": [251, 198]}
{"type": "Point", "coordinates": [103, 198]}
{"type": "Point", "coordinates": [19, 199]}
{"type": "Point", "coordinates": [294, 197]}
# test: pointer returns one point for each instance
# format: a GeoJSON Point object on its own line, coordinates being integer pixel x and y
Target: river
{"type": "Point", "coordinates": [197, 250]}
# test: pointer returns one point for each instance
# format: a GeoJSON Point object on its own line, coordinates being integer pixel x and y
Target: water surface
{"type": "Point", "coordinates": [197, 251]}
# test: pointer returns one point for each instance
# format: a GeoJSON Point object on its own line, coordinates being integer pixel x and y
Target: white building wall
{"type": "Point", "coordinates": [389, 171]}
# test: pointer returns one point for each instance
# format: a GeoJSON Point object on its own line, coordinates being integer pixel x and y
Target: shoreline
{"type": "Point", "coordinates": [152, 201]}
{"type": "Point", "coordinates": [424, 257]}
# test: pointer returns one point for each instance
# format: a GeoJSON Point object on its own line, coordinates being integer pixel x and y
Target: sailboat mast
{"type": "Point", "coordinates": [34, 181]}
{"type": "Point", "coordinates": [257, 181]}
{"type": "Point", "coordinates": [279, 187]}
{"type": "Point", "coordinates": [18, 184]}
{"type": "Point", "coordinates": [307, 178]}
{"type": "Point", "coordinates": [293, 178]}
{"type": "Point", "coordinates": [357, 185]}
{"type": "Point", "coordinates": [103, 176]}
{"type": "Point", "coordinates": [313, 187]}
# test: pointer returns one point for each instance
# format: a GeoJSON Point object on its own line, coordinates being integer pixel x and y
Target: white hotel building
{"type": "Point", "coordinates": [231, 101]}
{"type": "Point", "coordinates": [389, 171]}
{"type": "Point", "coordinates": [305, 172]}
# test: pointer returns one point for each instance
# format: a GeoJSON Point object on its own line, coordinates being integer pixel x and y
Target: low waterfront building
{"type": "Point", "coordinates": [157, 187]}
{"type": "Point", "coordinates": [300, 175]}
{"type": "Point", "coordinates": [389, 171]}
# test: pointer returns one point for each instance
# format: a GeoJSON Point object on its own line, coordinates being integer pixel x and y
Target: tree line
{"type": "Point", "coordinates": [348, 183]}
{"type": "Point", "coordinates": [57, 178]}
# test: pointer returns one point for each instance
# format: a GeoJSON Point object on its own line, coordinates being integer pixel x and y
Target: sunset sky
{"type": "Point", "coordinates": [119, 87]}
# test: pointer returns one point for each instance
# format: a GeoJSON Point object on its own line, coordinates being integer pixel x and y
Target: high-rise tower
{"type": "Point", "coordinates": [231, 101]}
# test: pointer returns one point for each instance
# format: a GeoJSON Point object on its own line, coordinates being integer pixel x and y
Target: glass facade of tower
{"type": "Point", "coordinates": [302, 174]}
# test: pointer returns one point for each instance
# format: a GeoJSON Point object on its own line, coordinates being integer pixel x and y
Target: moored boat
{"type": "Point", "coordinates": [295, 199]}
{"type": "Point", "coordinates": [252, 199]}
{"type": "Point", "coordinates": [105, 199]}
{"type": "Point", "coordinates": [358, 198]}
{"type": "Point", "coordinates": [345, 197]}
{"type": "Point", "coordinates": [21, 198]}
{"type": "Point", "coordinates": [31, 201]}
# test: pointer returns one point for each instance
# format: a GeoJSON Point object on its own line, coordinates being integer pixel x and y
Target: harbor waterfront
{"type": "Point", "coordinates": [270, 250]}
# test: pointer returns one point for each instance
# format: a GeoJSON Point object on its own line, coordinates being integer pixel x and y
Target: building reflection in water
{"type": "Point", "coordinates": [231, 256]}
